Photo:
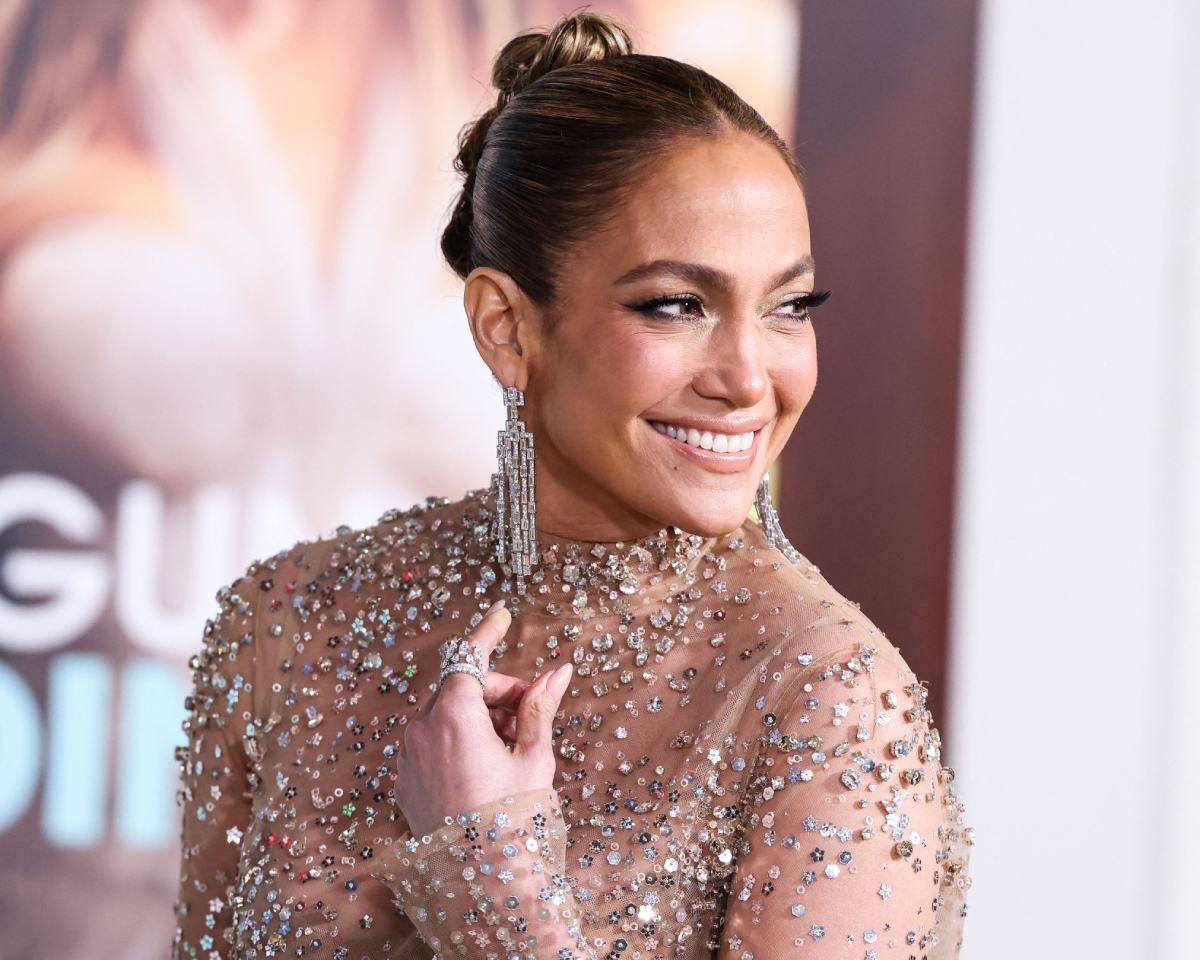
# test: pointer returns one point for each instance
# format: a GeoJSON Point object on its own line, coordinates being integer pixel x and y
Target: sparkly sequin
{"type": "Point", "coordinates": [746, 768]}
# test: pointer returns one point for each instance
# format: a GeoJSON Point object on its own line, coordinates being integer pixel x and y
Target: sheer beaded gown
{"type": "Point", "coordinates": [746, 767]}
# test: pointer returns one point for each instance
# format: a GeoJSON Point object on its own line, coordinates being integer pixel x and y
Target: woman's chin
{"type": "Point", "coordinates": [712, 523]}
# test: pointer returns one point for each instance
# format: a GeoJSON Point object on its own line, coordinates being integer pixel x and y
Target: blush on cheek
{"type": "Point", "coordinates": [656, 370]}
{"type": "Point", "coordinates": [795, 379]}
{"type": "Point", "coordinates": [627, 375]}
{"type": "Point", "coordinates": [615, 368]}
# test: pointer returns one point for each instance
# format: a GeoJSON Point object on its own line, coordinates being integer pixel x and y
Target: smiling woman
{"type": "Point", "coordinates": [735, 761]}
{"type": "Point", "coordinates": [686, 308]}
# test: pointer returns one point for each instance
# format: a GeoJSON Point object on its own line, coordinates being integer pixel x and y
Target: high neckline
{"type": "Point", "coordinates": [667, 533]}
{"type": "Point", "coordinates": [625, 566]}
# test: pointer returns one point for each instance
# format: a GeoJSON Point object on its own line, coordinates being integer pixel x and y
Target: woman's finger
{"type": "Point", "coordinates": [535, 715]}
{"type": "Point", "coordinates": [503, 690]}
{"type": "Point", "coordinates": [486, 635]}
{"type": "Point", "coordinates": [504, 722]}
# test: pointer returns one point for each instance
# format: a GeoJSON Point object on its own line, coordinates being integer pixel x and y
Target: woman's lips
{"type": "Point", "coordinates": [710, 448]}
{"type": "Point", "coordinates": [718, 442]}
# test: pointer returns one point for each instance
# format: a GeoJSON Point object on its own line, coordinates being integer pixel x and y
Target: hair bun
{"type": "Point", "coordinates": [573, 39]}
{"type": "Point", "coordinates": [577, 38]}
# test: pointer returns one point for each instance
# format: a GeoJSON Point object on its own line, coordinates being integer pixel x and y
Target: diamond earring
{"type": "Point", "coordinates": [770, 521]}
{"type": "Point", "coordinates": [514, 527]}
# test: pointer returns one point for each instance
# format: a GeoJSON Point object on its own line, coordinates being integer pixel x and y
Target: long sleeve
{"type": "Point", "coordinates": [853, 837]}
{"type": "Point", "coordinates": [492, 886]}
{"type": "Point", "coordinates": [213, 798]}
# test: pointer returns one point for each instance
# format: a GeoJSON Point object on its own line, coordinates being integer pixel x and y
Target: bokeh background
{"type": "Point", "coordinates": [225, 327]}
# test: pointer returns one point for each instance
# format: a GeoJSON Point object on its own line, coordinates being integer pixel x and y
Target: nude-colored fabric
{"type": "Point", "coordinates": [745, 768]}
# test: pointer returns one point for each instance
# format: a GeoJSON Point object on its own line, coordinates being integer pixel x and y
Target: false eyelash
{"type": "Point", "coordinates": [810, 300]}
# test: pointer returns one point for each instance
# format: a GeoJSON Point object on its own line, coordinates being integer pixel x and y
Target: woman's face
{"type": "Point", "coordinates": [678, 321]}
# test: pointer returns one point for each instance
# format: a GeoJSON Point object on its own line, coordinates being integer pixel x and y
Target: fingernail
{"type": "Point", "coordinates": [562, 676]}
{"type": "Point", "coordinates": [493, 608]}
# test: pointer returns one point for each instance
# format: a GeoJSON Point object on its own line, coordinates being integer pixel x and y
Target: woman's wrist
{"type": "Point", "coordinates": [479, 815]}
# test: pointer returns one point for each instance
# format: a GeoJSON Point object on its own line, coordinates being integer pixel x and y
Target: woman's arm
{"type": "Point", "coordinates": [213, 798]}
{"type": "Point", "coordinates": [493, 885]}
{"type": "Point", "coordinates": [851, 826]}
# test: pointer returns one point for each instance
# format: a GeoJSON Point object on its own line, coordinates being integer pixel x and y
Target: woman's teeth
{"type": "Point", "coordinates": [705, 440]}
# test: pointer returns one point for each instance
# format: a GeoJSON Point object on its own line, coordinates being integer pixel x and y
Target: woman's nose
{"type": "Point", "coordinates": [734, 367]}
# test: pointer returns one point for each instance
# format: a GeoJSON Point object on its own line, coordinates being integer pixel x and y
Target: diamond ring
{"type": "Point", "coordinates": [459, 655]}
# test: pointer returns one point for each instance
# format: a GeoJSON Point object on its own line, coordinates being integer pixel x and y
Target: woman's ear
{"type": "Point", "coordinates": [503, 324]}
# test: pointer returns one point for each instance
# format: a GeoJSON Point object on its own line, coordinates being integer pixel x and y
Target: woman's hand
{"type": "Point", "coordinates": [454, 756]}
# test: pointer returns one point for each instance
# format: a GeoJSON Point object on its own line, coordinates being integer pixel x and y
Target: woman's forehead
{"type": "Point", "coordinates": [744, 246]}
{"type": "Point", "coordinates": [710, 185]}
{"type": "Point", "coordinates": [726, 212]}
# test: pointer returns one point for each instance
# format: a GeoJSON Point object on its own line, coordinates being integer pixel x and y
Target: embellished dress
{"type": "Point", "coordinates": [746, 768]}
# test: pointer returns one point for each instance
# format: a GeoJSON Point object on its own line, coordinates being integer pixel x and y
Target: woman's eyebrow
{"type": "Point", "coordinates": [702, 275]}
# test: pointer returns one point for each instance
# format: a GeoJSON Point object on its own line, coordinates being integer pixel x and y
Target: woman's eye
{"type": "Point", "coordinates": [672, 308]}
{"type": "Point", "coordinates": [798, 311]}
{"type": "Point", "coordinates": [802, 305]}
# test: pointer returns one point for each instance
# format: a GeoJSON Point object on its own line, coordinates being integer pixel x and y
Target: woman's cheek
{"type": "Point", "coordinates": [795, 368]}
{"type": "Point", "coordinates": [654, 369]}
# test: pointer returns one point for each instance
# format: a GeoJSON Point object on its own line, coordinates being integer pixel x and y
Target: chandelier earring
{"type": "Point", "coordinates": [770, 521]}
{"type": "Point", "coordinates": [514, 527]}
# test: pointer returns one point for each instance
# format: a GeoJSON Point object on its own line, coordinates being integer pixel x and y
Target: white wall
{"type": "Point", "coordinates": [1076, 667]}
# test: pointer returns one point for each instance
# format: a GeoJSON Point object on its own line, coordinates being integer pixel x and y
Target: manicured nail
{"type": "Point", "coordinates": [560, 679]}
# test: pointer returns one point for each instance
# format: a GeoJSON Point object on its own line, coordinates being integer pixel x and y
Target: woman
{"type": "Point", "coordinates": [735, 762]}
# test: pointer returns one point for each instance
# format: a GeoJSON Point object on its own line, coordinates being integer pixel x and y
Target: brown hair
{"type": "Point", "coordinates": [579, 117]}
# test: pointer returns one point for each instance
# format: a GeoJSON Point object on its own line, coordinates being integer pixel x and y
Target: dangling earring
{"type": "Point", "coordinates": [514, 528]}
{"type": "Point", "coordinates": [770, 522]}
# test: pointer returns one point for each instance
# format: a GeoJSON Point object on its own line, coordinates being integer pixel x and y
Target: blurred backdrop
{"type": "Point", "coordinates": [219, 224]}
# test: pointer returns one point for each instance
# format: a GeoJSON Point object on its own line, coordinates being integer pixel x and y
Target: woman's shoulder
{"type": "Point", "coordinates": [337, 584]}
{"type": "Point", "coordinates": [346, 564]}
{"type": "Point", "coordinates": [818, 633]}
